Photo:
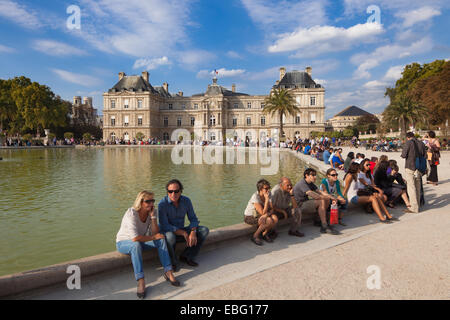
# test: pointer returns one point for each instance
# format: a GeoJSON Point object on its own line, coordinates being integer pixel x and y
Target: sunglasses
{"type": "Point", "coordinates": [172, 191]}
{"type": "Point", "coordinates": [334, 175]}
{"type": "Point", "coordinates": [149, 201]}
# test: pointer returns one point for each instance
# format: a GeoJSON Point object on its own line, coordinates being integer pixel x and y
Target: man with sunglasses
{"type": "Point", "coordinates": [172, 210]}
{"type": "Point", "coordinates": [305, 189]}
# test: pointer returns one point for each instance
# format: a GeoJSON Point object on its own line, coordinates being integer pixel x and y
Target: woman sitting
{"type": "Point", "coordinates": [385, 183]}
{"type": "Point", "coordinates": [260, 212]}
{"type": "Point", "coordinates": [331, 185]}
{"type": "Point", "coordinates": [349, 160]}
{"type": "Point", "coordinates": [355, 196]}
{"type": "Point", "coordinates": [131, 239]}
{"type": "Point", "coordinates": [366, 181]}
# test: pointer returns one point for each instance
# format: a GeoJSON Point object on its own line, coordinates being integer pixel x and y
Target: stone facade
{"type": "Point", "coordinates": [347, 117]}
{"type": "Point", "coordinates": [134, 106]}
{"type": "Point", "coordinates": [83, 111]}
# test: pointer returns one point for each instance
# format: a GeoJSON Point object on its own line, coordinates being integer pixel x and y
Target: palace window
{"type": "Point", "coordinates": [139, 121]}
{"type": "Point", "coordinates": [263, 120]}
{"type": "Point", "coordinates": [179, 121]}
{"type": "Point", "coordinates": [113, 121]}
{"type": "Point", "coordinates": [297, 119]}
{"type": "Point", "coordinates": [113, 136]}
{"type": "Point", "coordinates": [166, 121]}
{"type": "Point", "coordinates": [126, 104]}
{"type": "Point", "coordinates": [139, 104]}
{"type": "Point", "coordinates": [313, 118]}
{"type": "Point", "coordinates": [183, 106]}
{"type": "Point", "coordinates": [126, 121]}
{"type": "Point", "coordinates": [262, 105]}
{"type": "Point", "coordinates": [113, 104]}
{"type": "Point", "coordinates": [249, 121]}
{"type": "Point", "coordinates": [234, 121]}
{"type": "Point", "coordinates": [313, 101]}
{"type": "Point", "coordinates": [170, 106]}
{"type": "Point", "coordinates": [212, 121]}
{"type": "Point", "coordinates": [249, 105]}
{"type": "Point", "coordinates": [195, 105]}
{"type": "Point", "coordinates": [192, 121]}
{"type": "Point", "coordinates": [165, 136]}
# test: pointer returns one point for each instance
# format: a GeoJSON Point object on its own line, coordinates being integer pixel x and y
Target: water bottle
{"type": "Point", "coordinates": [334, 214]}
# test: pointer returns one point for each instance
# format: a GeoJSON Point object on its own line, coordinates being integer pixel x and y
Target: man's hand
{"type": "Point", "coordinates": [193, 239]}
{"type": "Point", "coordinates": [285, 214]}
{"type": "Point", "coordinates": [158, 236]}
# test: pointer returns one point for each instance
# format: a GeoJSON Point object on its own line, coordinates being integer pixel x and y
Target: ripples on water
{"type": "Point", "coordinates": [63, 204]}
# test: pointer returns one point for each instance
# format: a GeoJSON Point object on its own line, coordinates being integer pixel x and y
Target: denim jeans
{"type": "Point", "coordinates": [135, 248]}
{"type": "Point", "coordinates": [190, 252]}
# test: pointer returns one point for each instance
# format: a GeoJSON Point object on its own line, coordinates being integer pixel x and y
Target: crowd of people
{"type": "Point", "coordinates": [374, 184]}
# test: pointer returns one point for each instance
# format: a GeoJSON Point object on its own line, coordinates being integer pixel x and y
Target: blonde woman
{"type": "Point", "coordinates": [131, 239]}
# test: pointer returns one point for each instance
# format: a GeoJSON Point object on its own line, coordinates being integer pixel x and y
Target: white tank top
{"type": "Point", "coordinates": [352, 190]}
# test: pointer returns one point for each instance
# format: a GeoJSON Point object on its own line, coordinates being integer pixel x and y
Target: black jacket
{"type": "Point", "coordinates": [412, 149]}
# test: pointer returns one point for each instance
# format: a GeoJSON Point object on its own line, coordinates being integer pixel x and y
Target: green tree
{"type": "Point", "coordinates": [280, 101]}
{"type": "Point", "coordinates": [68, 135]}
{"type": "Point", "coordinates": [140, 136]}
{"type": "Point", "coordinates": [87, 137]}
{"type": "Point", "coordinates": [404, 111]}
{"type": "Point", "coordinates": [8, 108]}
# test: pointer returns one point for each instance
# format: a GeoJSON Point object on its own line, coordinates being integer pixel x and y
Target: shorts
{"type": "Point", "coordinates": [354, 200]}
{"type": "Point", "coordinates": [309, 206]}
{"type": "Point", "coordinates": [281, 216]}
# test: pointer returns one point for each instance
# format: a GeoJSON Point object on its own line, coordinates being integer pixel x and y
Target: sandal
{"type": "Point", "coordinates": [267, 238]}
{"type": "Point", "coordinates": [257, 241]}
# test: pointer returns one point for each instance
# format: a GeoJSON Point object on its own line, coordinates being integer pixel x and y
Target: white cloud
{"type": "Point", "coordinates": [19, 14]}
{"type": "Point", "coordinates": [55, 48]}
{"type": "Point", "coordinates": [322, 39]}
{"type": "Point", "coordinates": [80, 79]}
{"type": "Point", "coordinates": [412, 17]}
{"type": "Point", "coordinates": [192, 58]}
{"type": "Point", "coordinates": [222, 73]}
{"type": "Point", "coordinates": [394, 73]}
{"type": "Point", "coordinates": [359, 6]}
{"type": "Point", "coordinates": [385, 53]}
{"type": "Point", "coordinates": [279, 15]}
{"type": "Point", "coordinates": [6, 49]}
{"type": "Point", "coordinates": [150, 64]}
{"type": "Point", "coordinates": [320, 81]}
{"type": "Point", "coordinates": [375, 84]}
{"type": "Point", "coordinates": [233, 55]}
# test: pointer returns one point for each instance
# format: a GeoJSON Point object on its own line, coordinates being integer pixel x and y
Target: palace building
{"type": "Point", "coordinates": [134, 107]}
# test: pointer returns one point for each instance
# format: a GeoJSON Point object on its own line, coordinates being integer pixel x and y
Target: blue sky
{"type": "Point", "coordinates": [181, 42]}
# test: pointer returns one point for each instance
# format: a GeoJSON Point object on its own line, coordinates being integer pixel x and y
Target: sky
{"type": "Point", "coordinates": [356, 48]}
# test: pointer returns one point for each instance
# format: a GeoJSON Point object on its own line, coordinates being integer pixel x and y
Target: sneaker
{"type": "Point", "coordinates": [342, 223]}
{"type": "Point", "coordinates": [323, 230]}
{"type": "Point", "coordinates": [332, 230]}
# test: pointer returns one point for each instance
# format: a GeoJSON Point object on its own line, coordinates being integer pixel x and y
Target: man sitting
{"type": "Point", "coordinates": [326, 155]}
{"type": "Point", "coordinates": [320, 201]}
{"type": "Point", "coordinates": [172, 210]}
{"type": "Point", "coordinates": [285, 206]}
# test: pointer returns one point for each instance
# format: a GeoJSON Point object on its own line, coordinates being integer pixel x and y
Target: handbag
{"type": "Point", "coordinates": [366, 192]}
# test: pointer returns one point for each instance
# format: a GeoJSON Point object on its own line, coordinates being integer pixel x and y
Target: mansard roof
{"type": "Point", "coordinates": [297, 79]}
{"type": "Point", "coordinates": [214, 89]}
{"type": "Point", "coordinates": [352, 111]}
{"type": "Point", "coordinates": [135, 84]}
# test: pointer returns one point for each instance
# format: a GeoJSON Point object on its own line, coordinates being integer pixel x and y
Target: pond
{"type": "Point", "coordinates": [58, 205]}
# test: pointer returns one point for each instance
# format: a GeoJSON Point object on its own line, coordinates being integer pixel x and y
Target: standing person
{"type": "Point", "coordinates": [259, 212]}
{"type": "Point", "coordinates": [131, 239]}
{"type": "Point", "coordinates": [285, 206]}
{"type": "Point", "coordinates": [413, 176]}
{"type": "Point", "coordinates": [319, 203]}
{"type": "Point", "coordinates": [433, 156]}
{"type": "Point", "coordinates": [172, 210]}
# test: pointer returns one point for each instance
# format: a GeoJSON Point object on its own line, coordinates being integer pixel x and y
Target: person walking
{"type": "Point", "coordinates": [433, 156]}
{"type": "Point", "coordinates": [412, 150]}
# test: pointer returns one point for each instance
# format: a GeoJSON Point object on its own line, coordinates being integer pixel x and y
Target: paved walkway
{"type": "Point", "coordinates": [412, 255]}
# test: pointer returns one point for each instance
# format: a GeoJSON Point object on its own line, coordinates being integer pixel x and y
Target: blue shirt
{"type": "Point", "coordinates": [326, 156]}
{"type": "Point", "coordinates": [172, 218]}
{"type": "Point", "coordinates": [307, 148]}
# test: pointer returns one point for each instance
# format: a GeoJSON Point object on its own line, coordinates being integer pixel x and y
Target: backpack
{"type": "Point", "coordinates": [421, 161]}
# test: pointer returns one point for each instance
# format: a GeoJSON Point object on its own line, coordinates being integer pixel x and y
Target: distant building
{"type": "Point", "coordinates": [134, 106]}
{"type": "Point", "coordinates": [83, 111]}
{"type": "Point", "coordinates": [347, 117]}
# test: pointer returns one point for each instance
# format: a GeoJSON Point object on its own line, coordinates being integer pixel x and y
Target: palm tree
{"type": "Point", "coordinates": [404, 110]}
{"type": "Point", "coordinates": [280, 101]}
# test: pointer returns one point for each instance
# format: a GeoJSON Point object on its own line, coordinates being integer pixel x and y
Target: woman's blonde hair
{"type": "Point", "coordinates": [138, 202]}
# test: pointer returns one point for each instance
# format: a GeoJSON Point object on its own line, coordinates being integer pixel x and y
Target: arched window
{"type": "Point", "coordinates": [126, 136]}
{"type": "Point", "coordinates": [113, 136]}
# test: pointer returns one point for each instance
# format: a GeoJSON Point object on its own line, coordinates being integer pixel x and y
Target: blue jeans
{"type": "Point", "coordinates": [190, 252]}
{"type": "Point", "coordinates": [135, 248]}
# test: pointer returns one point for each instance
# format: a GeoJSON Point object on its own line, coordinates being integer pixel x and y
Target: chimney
{"type": "Point", "coordinates": [166, 87]}
{"type": "Point", "coordinates": [145, 75]}
{"type": "Point", "coordinates": [308, 70]}
{"type": "Point", "coordinates": [121, 75]}
{"type": "Point", "coordinates": [233, 88]}
{"type": "Point", "coordinates": [180, 93]}
{"type": "Point", "coordinates": [282, 72]}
